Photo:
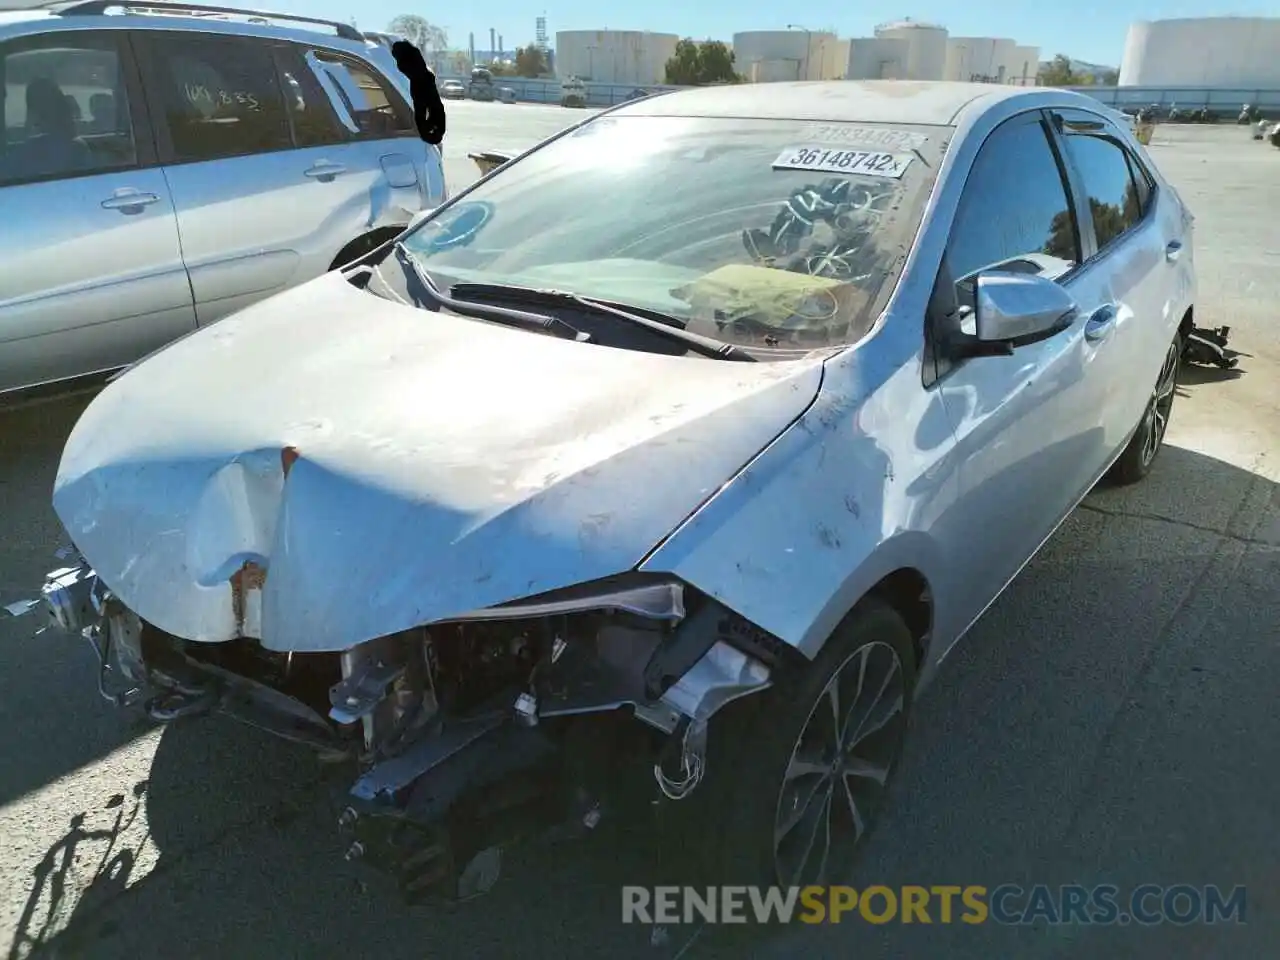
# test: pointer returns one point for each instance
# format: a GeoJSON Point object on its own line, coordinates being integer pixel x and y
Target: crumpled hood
{"type": "Point", "coordinates": [442, 465]}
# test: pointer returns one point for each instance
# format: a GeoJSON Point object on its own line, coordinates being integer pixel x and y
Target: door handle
{"type": "Point", "coordinates": [325, 172]}
{"type": "Point", "coordinates": [1173, 250]}
{"type": "Point", "coordinates": [1100, 323]}
{"type": "Point", "coordinates": [129, 201]}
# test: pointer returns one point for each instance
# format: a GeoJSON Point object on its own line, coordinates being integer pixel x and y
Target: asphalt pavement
{"type": "Point", "coordinates": [1111, 720]}
{"type": "Point", "coordinates": [505, 127]}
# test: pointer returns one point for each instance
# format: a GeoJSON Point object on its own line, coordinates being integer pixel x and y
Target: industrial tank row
{"type": "Point", "coordinates": [900, 50]}
{"type": "Point", "coordinates": [906, 50]}
{"type": "Point", "coordinates": [1207, 52]}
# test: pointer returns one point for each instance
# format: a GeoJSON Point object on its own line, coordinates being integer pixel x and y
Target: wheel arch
{"type": "Point", "coordinates": [908, 592]}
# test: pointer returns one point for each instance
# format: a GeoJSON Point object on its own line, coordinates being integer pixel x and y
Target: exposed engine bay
{"type": "Point", "coordinates": [463, 735]}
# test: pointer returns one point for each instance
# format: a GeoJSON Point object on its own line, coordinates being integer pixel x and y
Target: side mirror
{"type": "Point", "coordinates": [1009, 309]}
{"type": "Point", "coordinates": [1016, 308]}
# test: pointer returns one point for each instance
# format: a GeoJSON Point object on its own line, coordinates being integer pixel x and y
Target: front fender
{"type": "Point", "coordinates": [845, 496]}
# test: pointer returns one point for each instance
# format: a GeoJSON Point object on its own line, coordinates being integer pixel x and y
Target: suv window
{"type": "Point", "coordinates": [219, 97]}
{"type": "Point", "coordinates": [1014, 213]}
{"type": "Point", "coordinates": [310, 110]}
{"type": "Point", "coordinates": [65, 109]}
{"type": "Point", "coordinates": [366, 97]}
{"type": "Point", "coordinates": [1115, 199]}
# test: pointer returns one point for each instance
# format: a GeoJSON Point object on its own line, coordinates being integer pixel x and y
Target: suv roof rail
{"type": "Point", "coordinates": [99, 7]}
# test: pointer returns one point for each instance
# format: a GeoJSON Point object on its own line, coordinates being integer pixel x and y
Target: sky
{"type": "Point", "coordinates": [1083, 29]}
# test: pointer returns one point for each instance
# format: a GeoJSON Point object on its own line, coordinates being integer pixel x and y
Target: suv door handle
{"type": "Point", "coordinates": [1100, 323]}
{"type": "Point", "coordinates": [129, 201]}
{"type": "Point", "coordinates": [325, 172]}
{"type": "Point", "coordinates": [1173, 250]}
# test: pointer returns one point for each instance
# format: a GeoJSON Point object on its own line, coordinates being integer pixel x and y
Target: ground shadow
{"type": "Point", "coordinates": [1111, 719]}
{"type": "Point", "coordinates": [88, 867]}
{"type": "Point", "coordinates": [54, 723]}
{"type": "Point", "coordinates": [1195, 374]}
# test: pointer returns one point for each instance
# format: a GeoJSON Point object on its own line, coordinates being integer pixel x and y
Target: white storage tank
{"type": "Point", "coordinates": [1025, 67]}
{"type": "Point", "coordinates": [813, 55]}
{"type": "Point", "coordinates": [1204, 51]}
{"type": "Point", "coordinates": [843, 48]}
{"type": "Point", "coordinates": [979, 59]}
{"type": "Point", "coordinates": [770, 71]}
{"type": "Point", "coordinates": [636, 57]}
{"type": "Point", "coordinates": [878, 58]}
{"type": "Point", "coordinates": [927, 59]}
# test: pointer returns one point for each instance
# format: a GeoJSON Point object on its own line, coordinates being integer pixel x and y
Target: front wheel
{"type": "Point", "coordinates": [800, 778]}
{"type": "Point", "coordinates": [1135, 463]}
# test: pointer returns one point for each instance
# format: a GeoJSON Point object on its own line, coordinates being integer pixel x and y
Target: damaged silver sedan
{"type": "Point", "coordinates": [687, 443]}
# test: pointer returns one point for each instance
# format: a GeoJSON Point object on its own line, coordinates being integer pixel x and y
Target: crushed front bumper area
{"type": "Point", "coordinates": [463, 741]}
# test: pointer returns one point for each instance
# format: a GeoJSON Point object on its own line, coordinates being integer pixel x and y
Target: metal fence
{"type": "Point", "coordinates": [548, 91]}
{"type": "Point", "coordinates": [1220, 100]}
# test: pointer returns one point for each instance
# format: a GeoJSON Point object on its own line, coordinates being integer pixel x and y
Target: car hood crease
{"type": "Point", "coordinates": [436, 465]}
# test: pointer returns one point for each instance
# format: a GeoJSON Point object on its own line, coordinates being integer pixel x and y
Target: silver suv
{"type": "Point", "coordinates": [163, 168]}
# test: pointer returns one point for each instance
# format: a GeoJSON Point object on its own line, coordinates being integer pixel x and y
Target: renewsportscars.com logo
{"type": "Point", "coordinates": [1008, 904]}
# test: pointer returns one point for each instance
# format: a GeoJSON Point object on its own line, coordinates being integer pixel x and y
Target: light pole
{"type": "Point", "coordinates": [808, 44]}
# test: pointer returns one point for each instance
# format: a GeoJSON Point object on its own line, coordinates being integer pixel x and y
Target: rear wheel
{"type": "Point", "coordinates": [798, 781]}
{"type": "Point", "coordinates": [1135, 463]}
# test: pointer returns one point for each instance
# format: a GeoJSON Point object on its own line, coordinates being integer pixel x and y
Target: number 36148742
{"type": "Point", "coordinates": [849, 161]}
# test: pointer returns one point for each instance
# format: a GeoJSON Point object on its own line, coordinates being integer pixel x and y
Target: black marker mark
{"type": "Point", "coordinates": [428, 108]}
{"type": "Point", "coordinates": [198, 94]}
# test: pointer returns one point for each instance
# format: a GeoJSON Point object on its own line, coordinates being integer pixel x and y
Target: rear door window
{"type": "Point", "coordinates": [1142, 181]}
{"type": "Point", "coordinates": [378, 112]}
{"type": "Point", "coordinates": [1118, 199]}
{"type": "Point", "coordinates": [65, 110]}
{"type": "Point", "coordinates": [311, 111]}
{"type": "Point", "coordinates": [219, 97]}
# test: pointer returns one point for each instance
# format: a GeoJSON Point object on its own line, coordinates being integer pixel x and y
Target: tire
{"type": "Point", "coordinates": [1147, 441]}
{"type": "Point", "coordinates": [750, 752]}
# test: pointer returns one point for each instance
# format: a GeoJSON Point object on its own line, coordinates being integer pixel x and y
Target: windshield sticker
{"type": "Point", "coordinates": [870, 136]}
{"type": "Point", "coordinates": [834, 160]}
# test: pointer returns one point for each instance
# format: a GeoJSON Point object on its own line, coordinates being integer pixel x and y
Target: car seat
{"type": "Point", "coordinates": [51, 146]}
{"type": "Point", "coordinates": [103, 108]}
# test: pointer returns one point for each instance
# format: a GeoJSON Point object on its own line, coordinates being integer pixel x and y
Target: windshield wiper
{"type": "Point", "coordinates": [537, 322]}
{"type": "Point", "coordinates": [706, 346]}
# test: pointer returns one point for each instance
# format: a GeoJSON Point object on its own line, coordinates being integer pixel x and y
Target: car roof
{"type": "Point", "coordinates": [938, 103]}
{"type": "Point", "coordinates": [51, 17]}
{"type": "Point", "coordinates": [22, 16]}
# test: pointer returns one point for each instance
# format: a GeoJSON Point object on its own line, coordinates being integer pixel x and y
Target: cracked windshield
{"type": "Point", "coordinates": [768, 234]}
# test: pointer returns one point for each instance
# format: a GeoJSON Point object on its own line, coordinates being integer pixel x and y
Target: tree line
{"type": "Point", "coordinates": [527, 61]}
{"type": "Point", "coordinates": [1058, 73]}
{"type": "Point", "coordinates": [696, 63]}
